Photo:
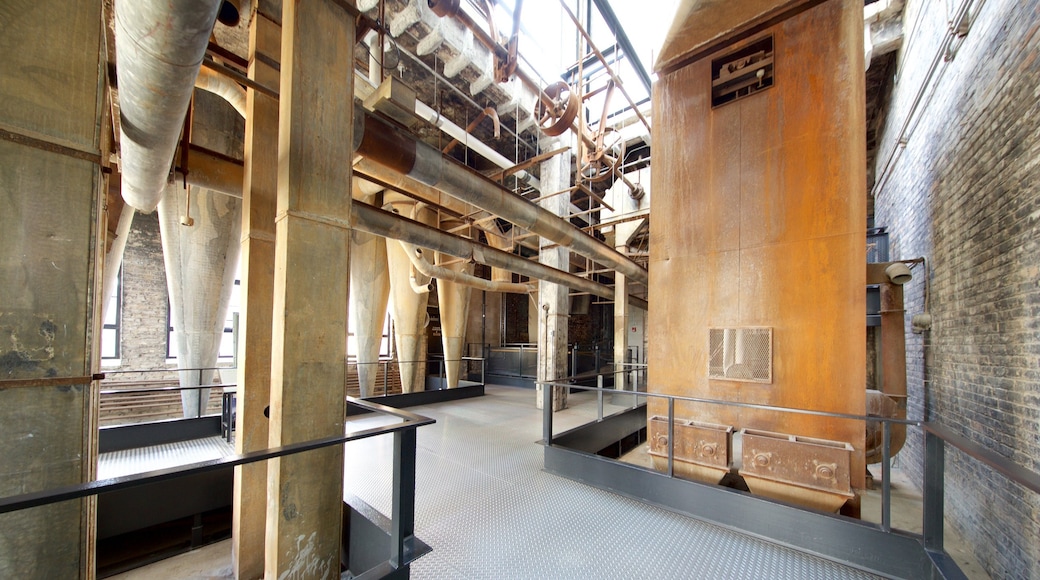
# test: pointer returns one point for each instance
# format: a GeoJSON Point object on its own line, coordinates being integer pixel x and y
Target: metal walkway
{"type": "Point", "coordinates": [489, 511]}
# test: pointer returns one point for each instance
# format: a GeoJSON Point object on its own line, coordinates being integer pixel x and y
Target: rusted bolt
{"type": "Point", "coordinates": [825, 471]}
{"type": "Point", "coordinates": [761, 460]}
{"type": "Point", "coordinates": [709, 450]}
{"type": "Point", "coordinates": [662, 441]}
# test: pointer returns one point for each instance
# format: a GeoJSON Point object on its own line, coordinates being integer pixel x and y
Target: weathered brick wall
{"type": "Point", "coordinates": [965, 193]}
{"type": "Point", "coordinates": [143, 324]}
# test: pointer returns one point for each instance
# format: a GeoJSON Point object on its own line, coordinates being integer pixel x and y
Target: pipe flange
{"type": "Point", "coordinates": [556, 119]}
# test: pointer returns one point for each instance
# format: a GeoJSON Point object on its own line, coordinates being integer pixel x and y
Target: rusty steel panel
{"type": "Point", "coordinates": [760, 220]}
{"type": "Point", "coordinates": [773, 463]}
{"type": "Point", "coordinates": [700, 24]}
{"type": "Point", "coordinates": [701, 450]}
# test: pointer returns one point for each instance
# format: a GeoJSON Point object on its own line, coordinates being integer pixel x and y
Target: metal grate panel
{"type": "Point", "coordinates": [741, 354]}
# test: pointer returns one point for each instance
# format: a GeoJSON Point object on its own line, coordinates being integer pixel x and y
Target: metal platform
{"type": "Point", "coordinates": [489, 511]}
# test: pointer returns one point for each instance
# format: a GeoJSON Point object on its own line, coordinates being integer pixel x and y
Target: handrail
{"type": "Point", "coordinates": [936, 437]}
{"type": "Point", "coordinates": [738, 404]}
{"type": "Point", "coordinates": [166, 370]}
{"type": "Point", "coordinates": [165, 389]}
{"type": "Point", "coordinates": [69, 492]}
{"type": "Point", "coordinates": [1019, 474]}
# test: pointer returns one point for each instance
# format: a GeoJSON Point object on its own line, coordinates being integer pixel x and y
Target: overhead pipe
{"type": "Point", "coordinates": [419, 261]}
{"type": "Point", "coordinates": [159, 48]}
{"type": "Point", "coordinates": [381, 223]}
{"type": "Point", "coordinates": [382, 144]}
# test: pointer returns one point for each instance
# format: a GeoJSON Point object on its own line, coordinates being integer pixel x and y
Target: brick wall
{"type": "Point", "coordinates": [143, 324]}
{"type": "Point", "coordinates": [965, 193]}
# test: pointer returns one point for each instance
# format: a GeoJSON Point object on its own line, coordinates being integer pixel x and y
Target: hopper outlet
{"type": "Point", "coordinates": [702, 450]}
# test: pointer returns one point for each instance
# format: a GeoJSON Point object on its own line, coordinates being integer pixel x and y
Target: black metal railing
{"type": "Point", "coordinates": [403, 504]}
{"type": "Point", "coordinates": [936, 440]}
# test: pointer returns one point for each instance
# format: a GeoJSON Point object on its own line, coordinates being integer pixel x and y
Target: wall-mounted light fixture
{"type": "Point", "coordinates": [898, 273]}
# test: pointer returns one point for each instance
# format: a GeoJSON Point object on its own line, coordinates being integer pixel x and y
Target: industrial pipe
{"type": "Point", "coordinates": [382, 144]}
{"type": "Point", "coordinates": [415, 254]}
{"type": "Point", "coordinates": [223, 87]}
{"type": "Point", "coordinates": [890, 401]}
{"type": "Point", "coordinates": [381, 223]}
{"type": "Point", "coordinates": [159, 48]}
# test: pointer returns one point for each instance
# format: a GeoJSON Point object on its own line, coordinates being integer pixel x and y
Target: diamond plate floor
{"type": "Point", "coordinates": [489, 511]}
{"type": "Point", "coordinates": [141, 459]}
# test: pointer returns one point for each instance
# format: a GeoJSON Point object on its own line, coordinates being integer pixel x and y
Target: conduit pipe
{"type": "Point", "coordinates": [381, 223]}
{"type": "Point", "coordinates": [223, 87]}
{"type": "Point", "coordinates": [159, 48]}
{"type": "Point", "coordinates": [419, 261]}
{"type": "Point", "coordinates": [382, 144]}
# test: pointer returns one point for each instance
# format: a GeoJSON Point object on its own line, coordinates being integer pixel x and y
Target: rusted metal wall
{"type": "Point", "coordinates": [759, 220]}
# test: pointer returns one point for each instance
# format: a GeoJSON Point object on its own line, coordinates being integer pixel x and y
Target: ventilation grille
{"type": "Point", "coordinates": [741, 354]}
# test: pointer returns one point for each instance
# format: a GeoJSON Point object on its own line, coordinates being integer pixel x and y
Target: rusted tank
{"type": "Point", "coordinates": [759, 230]}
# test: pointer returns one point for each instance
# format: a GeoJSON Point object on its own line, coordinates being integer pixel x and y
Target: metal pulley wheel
{"type": "Point", "coordinates": [444, 8]}
{"type": "Point", "coordinates": [556, 119]}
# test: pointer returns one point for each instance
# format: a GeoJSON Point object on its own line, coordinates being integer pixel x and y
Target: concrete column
{"type": "Point", "coordinates": [201, 266]}
{"type": "Point", "coordinates": [51, 243]}
{"type": "Point", "coordinates": [553, 305]}
{"type": "Point", "coordinates": [620, 329]}
{"type": "Point", "coordinates": [305, 492]}
{"type": "Point", "coordinates": [259, 203]}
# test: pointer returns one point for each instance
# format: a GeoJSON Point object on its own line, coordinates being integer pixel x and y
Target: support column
{"type": "Point", "coordinates": [312, 271]}
{"type": "Point", "coordinates": [620, 329]}
{"type": "Point", "coordinates": [553, 306]}
{"type": "Point", "coordinates": [259, 203]}
{"type": "Point", "coordinates": [51, 242]}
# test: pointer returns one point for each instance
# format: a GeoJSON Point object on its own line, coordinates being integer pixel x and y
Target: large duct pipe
{"type": "Point", "coordinates": [381, 143]}
{"type": "Point", "coordinates": [459, 276]}
{"type": "Point", "coordinates": [890, 401]}
{"type": "Point", "coordinates": [381, 223]}
{"type": "Point", "coordinates": [159, 48]}
{"type": "Point", "coordinates": [114, 260]}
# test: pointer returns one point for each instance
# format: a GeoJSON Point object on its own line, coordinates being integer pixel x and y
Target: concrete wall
{"type": "Point", "coordinates": [50, 184]}
{"type": "Point", "coordinates": [965, 193]}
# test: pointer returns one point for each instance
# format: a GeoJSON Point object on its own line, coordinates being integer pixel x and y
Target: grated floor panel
{"type": "Point", "coordinates": [489, 511]}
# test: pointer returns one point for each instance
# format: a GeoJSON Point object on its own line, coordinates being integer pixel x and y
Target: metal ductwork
{"type": "Point", "coordinates": [381, 223]}
{"type": "Point", "coordinates": [419, 261]}
{"type": "Point", "coordinates": [159, 47]}
{"type": "Point", "coordinates": [381, 143]}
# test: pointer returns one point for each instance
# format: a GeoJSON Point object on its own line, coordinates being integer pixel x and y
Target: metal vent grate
{"type": "Point", "coordinates": [741, 354]}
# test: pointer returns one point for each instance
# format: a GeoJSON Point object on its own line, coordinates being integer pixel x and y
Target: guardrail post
{"type": "Point", "coordinates": [886, 476]}
{"type": "Point", "coordinates": [546, 414]}
{"type": "Point", "coordinates": [599, 396]}
{"type": "Point", "coordinates": [198, 392]}
{"type": "Point", "coordinates": [443, 384]}
{"type": "Point", "coordinates": [483, 369]}
{"type": "Point", "coordinates": [403, 525]}
{"type": "Point", "coordinates": [671, 437]}
{"type": "Point", "coordinates": [934, 472]}
{"type": "Point", "coordinates": [386, 376]}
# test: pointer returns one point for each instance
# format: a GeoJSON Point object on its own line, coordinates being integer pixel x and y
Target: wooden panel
{"type": "Point", "coordinates": [759, 220]}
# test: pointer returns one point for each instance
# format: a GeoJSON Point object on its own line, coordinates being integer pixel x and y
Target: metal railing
{"type": "Point", "coordinates": [467, 370]}
{"type": "Point", "coordinates": [936, 440]}
{"type": "Point", "coordinates": [201, 407]}
{"type": "Point", "coordinates": [403, 506]}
